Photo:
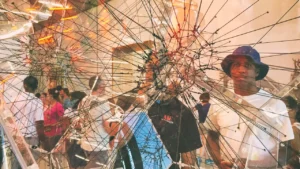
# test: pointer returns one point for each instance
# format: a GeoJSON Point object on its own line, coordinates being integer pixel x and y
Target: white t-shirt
{"type": "Point", "coordinates": [256, 143]}
{"type": "Point", "coordinates": [94, 136]}
{"type": "Point", "coordinates": [27, 109]}
{"type": "Point", "coordinates": [260, 142]}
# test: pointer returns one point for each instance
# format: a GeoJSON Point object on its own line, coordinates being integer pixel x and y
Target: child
{"type": "Point", "coordinates": [203, 108]}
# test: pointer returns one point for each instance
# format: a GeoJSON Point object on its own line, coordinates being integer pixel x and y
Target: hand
{"type": "Point", "coordinates": [228, 165]}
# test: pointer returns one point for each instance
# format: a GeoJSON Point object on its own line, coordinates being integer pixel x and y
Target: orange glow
{"type": "Point", "coordinates": [104, 21]}
{"type": "Point", "coordinates": [67, 30]}
{"type": "Point", "coordinates": [27, 60]}
{"type": "Point", "coordinates": [67, 18]}
{"type": "Point", "coordinates": [45, 40]}
{"type": "Point", "coordinates": [60, 8]}
{"type": "Point", "coordinates": [7, 78]}
{"type": "Point", "coordinates": [31, 9]}
{"type": "Point", "coordinates": [74, 58]}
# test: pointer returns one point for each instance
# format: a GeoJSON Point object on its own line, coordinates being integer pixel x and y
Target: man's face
{"type": "Point", "coordinates": [101, 88]}
{"type": "Point", "coordinates": [243, 71]}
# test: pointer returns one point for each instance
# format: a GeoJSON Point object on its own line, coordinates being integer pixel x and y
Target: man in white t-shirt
{"type": "Point", "coordinates": [29, 115]}
{"type": "Point", "coordinates": [95, 113]}
{"type": "Point", "coordinates": [250, 131]}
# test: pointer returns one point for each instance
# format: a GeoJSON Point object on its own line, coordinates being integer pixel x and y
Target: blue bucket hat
{"type": "Point", "coordinates": [250, 53]}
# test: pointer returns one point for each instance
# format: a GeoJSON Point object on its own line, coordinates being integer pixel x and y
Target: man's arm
{"type": "Point", "coordinates": [39, 125]}
{"type": "Point", "coordinates": [39, 121]}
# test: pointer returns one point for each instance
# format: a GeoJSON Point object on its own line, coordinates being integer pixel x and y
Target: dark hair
{"type": "Point", "coordinates": [66, 91]}
{"type": "Point", "coordinates": [294, 162]}
{"type": "Point", "coordinates": [59, 87]}
{"type": "Point", "coordinates": [297, 118]}
{"type": "Point", "coordinates": [290, 102]}
{"type": "Point", "coordinates": [125, 102]}
{"type": "Point", "coordinates": [97, 83]}
{"type": "Point", "coordinates": [45, 94]}
{"type": "Point", "coordinates": [77, 95]}
{"type": "Point", "coordinates": [174, 88]}
{"type": "Point", "coordinates": [38, 95]}
{"type": "Point", "coordinates": [31, 82]}
{"type": "Point", "coordinates": [204, 97]}
{"type": "Point", "coordinates": [54, 93]}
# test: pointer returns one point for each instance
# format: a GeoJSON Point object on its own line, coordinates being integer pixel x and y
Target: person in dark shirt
{"type": "Point", "coordinates": [177, 127]}
{"type": "Point", "coordinates": [203, 107]}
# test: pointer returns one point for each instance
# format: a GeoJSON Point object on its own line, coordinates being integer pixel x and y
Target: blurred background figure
{"type": "Point", "coordinates": [64, 95]}
{"type": "Point", "coordinates": [204, 109]}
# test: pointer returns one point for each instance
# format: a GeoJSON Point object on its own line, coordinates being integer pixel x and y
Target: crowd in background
{"type": "Point", "coordinates": [98, 126]}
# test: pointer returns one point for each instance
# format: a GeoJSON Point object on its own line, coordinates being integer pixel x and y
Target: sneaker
{"type": "Point", "coordinates": [199, 161]}
{"type": "Point", "coordinates": [209, 162]}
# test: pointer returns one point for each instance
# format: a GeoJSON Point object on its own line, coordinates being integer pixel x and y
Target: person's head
{"type": "Point", "coordinates": [76, 98]}
{"type": "Point", "coordinates": [244, 66]}
{"type": "Point", "coordinates": [173, 88]}
{"type": "Point", "coordinates": [44, 98]}
{"type": "Point", "coordinates": [290, 102]}
{"type": "Point", "coordinates": [293, 163]}
{"type": "Point", "coordinates": [125, 102]}
{"type": "Point", "coordinates": [97, 85]}
{"type": "Point", "coordinates": [38, 95]}
{"type": "Point", "coordinates": [298, 114]}
{"type": "Point", "coordinates": [30, 84]}
{"type": "Point", "coordinates": [204, 97]}
{"type": "Point", "coordinates": [64, 92]}
{"type": "Point", "coordinates": [53, 95]}
{"type": "Point", "coordinates": [59, 87]}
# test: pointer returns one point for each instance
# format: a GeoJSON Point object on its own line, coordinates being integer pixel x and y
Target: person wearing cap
{"type": "Point", "coordinates": [257, 141]}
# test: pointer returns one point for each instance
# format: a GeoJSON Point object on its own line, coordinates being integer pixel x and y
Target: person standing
{"type": "Point", "coordinates": [65, 98]}
{"type": "Point", "coordinates": [204, 109]}
{"type": "Point", "coordinates": [177, 127]}
{"type": "Point", "coordinates": [28, 112]}
{"type": "Point", "coordinates": [261, 120]}
{"type": "Point", "coordinates": [95, 127]}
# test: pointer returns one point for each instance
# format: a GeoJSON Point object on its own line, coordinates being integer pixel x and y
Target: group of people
{"type": "Point", "coordinates": [246, 127]}
{"type": "Point", "coordinates": [39, 116]}
{"type": "Point", "coordinates": [43, 120]}
{"type": "Point", "coordinates": [242, 131]}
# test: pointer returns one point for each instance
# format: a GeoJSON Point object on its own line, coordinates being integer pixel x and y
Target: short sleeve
{"type": "Point", "coordinates": [284, 122]}
{"type": "Point", "coordinates": [105, 108]}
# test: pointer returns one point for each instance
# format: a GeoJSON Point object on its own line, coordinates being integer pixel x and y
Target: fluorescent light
{"type": "Point", "coordinates": [40, 13]}
{"type": "Point", "coordinates": [53, 4]}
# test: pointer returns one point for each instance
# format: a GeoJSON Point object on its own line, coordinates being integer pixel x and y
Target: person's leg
{"type": "Point", "coordinates": [135, 152]}
{"type": "Point", "coordinates": [14, 162]}
{"type": "Point", "coordinates": [213, 146]}
{"type": "Point", "coordinates": [189, 158]}
{"type": "Point", "coordinates": [175, 158]}
{"type": "Point", "coordinates": [34, 141]}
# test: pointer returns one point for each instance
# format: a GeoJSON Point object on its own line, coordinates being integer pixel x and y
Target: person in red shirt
{"type": "Point", "coordinates": [52, 116]}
